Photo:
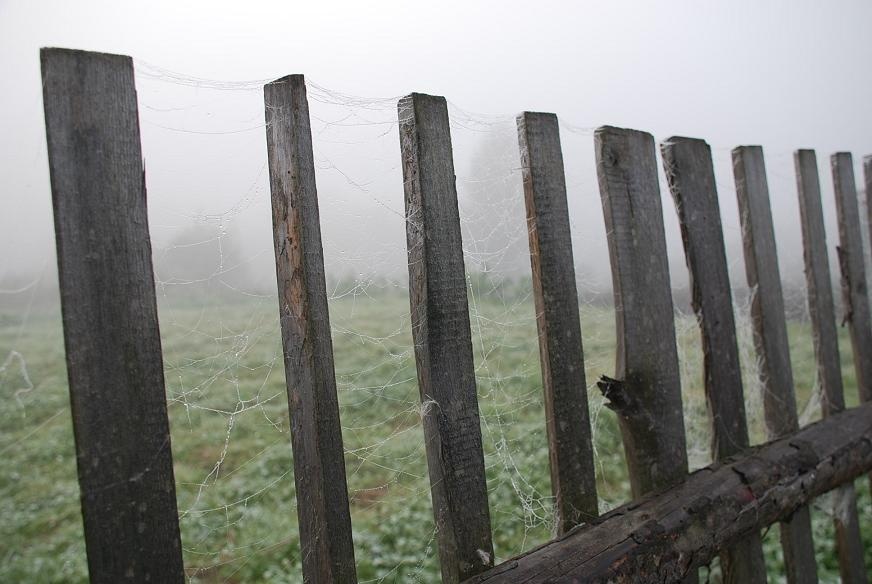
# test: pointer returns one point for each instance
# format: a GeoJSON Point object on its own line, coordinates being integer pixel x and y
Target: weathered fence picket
{"type": "Point", "coordinates": [855, 293]}
{"type": "Point", "coordinates": [647, 392]}
{"type": "Point", "coordinates": [111, 333]}
{"type": "Point", "coordinates": [826, 346]}
{"type": "Point", "coordinates": [770, 340]}
{"type": "Point", "coordinates": [442, 338]}
{"type": "Point", "coordinates": [316, 434]}
{"type": "Point", "coordinates": [573, 478]}
{"type": "Point", "coordinates": [687, 164]}
{"type": "Point", "coordinates": [867, 174]}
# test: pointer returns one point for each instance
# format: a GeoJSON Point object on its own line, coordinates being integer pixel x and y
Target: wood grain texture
{"type": "Point", "coordinates": [647, 397]}
{"type": "Point", "coordinates": [764, 279]}
{"type": "Point", "coordinates": [316, 434]}
{"type": "Point", "coordinates": [867, 175]}
{"type": "Point", "coordinates": [443, 345]}
{"type": "Point", "coordinates": [855, 293]}
{"type": "Point", "coordinates": [573, 477]}
{"type": "Point", "coordinates": [111, 333]}
{"type": "Point", "coordinates": [687, 163]}
{"type": "Point", "coordinates": [770, 339]}
{"type": "Point", "coordinates": [667, 535]}
{"type": "Point", "coordinates": [818, 280]}
{"type": "Point", "coordinates": [826, 346]}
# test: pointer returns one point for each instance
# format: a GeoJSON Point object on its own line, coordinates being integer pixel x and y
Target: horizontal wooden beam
{"type": "Point", "coordinates": [667, 535]}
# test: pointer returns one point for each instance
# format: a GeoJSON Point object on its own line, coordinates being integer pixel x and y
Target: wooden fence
{"type": "Point", "coordinates": [677, 523]}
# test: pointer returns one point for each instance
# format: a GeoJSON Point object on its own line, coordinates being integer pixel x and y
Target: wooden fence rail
{"type": "Point", "coordinates": [665, 536]}
{"type": "Point", "coordinates": [677, 522]}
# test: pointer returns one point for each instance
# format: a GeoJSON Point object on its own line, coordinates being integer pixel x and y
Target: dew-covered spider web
{"type": "Point", "coordinates": [209, 205]}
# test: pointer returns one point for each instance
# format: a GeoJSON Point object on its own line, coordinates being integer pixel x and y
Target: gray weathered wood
{"type": "Point", "coordinates": [111, 333]}
{"type": "Point", "coordinates": [817, 274]}
{"type": "Point", "coordinates": [867, 174]}
{"type": "Point", "coordinates": [573, 477]}
{"type": "Point", "coordinates": [849, 543]}
{"type": "Point", "coordinates": [826, 346]}
{"type": "Point", "coordinates": [855, 294]}
{"type": "Point", "coordinates": [663, 537]}
{"type": "Point", "coordinates": [319, 463]}
{"type": "Point", "coordinates": [443, 345]}
{"type": "Point", "coordinates": [687, 163]}
{"type": "Point", "coordinates": [770, 339]}
{"type": "Point", "coordinates": [647, 397]}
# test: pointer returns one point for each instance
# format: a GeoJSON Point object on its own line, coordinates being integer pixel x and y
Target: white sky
{"type": "Point", "coordinates": [785, 74]}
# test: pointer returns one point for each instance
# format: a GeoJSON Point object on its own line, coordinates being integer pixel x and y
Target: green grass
{"type": "Point", "coordinates": [229, 419]}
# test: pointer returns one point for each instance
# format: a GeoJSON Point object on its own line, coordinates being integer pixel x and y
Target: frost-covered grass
{"type": "Point", "coordinates": [229, 419]}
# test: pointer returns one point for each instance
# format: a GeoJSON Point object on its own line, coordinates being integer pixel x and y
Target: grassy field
{"type": "Point", "coordinates": [230, 436]}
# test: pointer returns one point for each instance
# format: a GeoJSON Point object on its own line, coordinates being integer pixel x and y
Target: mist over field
{"type": "Point", "coordinates": [782, 75]}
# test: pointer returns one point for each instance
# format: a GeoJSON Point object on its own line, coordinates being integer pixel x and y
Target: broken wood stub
{"type": "Point", "coordinates": [573, 477]}
{"type": "Point", "coordinates": [326, 546]}
{"type": "Point", "coordinates": [442, 339]}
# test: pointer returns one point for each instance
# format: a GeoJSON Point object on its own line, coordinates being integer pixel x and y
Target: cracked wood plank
{"type": "Point", "coordinates": [109, 310]}
{"type": "Point", "coordinates": [573, 477]}
{"type": "Point", "coordinates": [647, 392]}
{"type": "Point", "coordinates": [826, 346]}
{"type": "Point", "coordinates": [855, 292]}
{"type": "Point", "coordinates": [443, 344]}
{"type": "Point", "coordinates": [687, 163]}
{"type": "Point", "coordinates": [770, 339]}
{"type": "Point", "coordinates": [667, 535]}
{"type": "Point", "coordinates": [867, 174]}
{"type": "Point", "coordinates": [316, 434]}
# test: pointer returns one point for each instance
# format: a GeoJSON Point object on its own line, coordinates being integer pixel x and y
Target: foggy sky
{"type": "Point", "coordinates": [785, 75]}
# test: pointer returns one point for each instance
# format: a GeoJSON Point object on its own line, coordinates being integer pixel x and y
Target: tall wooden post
{"type": "Point", "coordinates": [316, 433]}
{"type": "Point", "coordinates": [687, 164]}
{"type": "Point", "coordinates": [443, 344]}
{"type": "Point", "coordinates": [114, 360]}
{"type": "Point", "coordinates": [573, 477]}
{"type": "Point", "coordinates": [867, 174]}
{"type": "Point", "coordinates": [855, 291]}
{"type": "Point", "coordinates": [770, 339]}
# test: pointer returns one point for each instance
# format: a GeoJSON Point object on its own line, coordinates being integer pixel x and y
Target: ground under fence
{"type": "Point", "coordinates": [677, 523]}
